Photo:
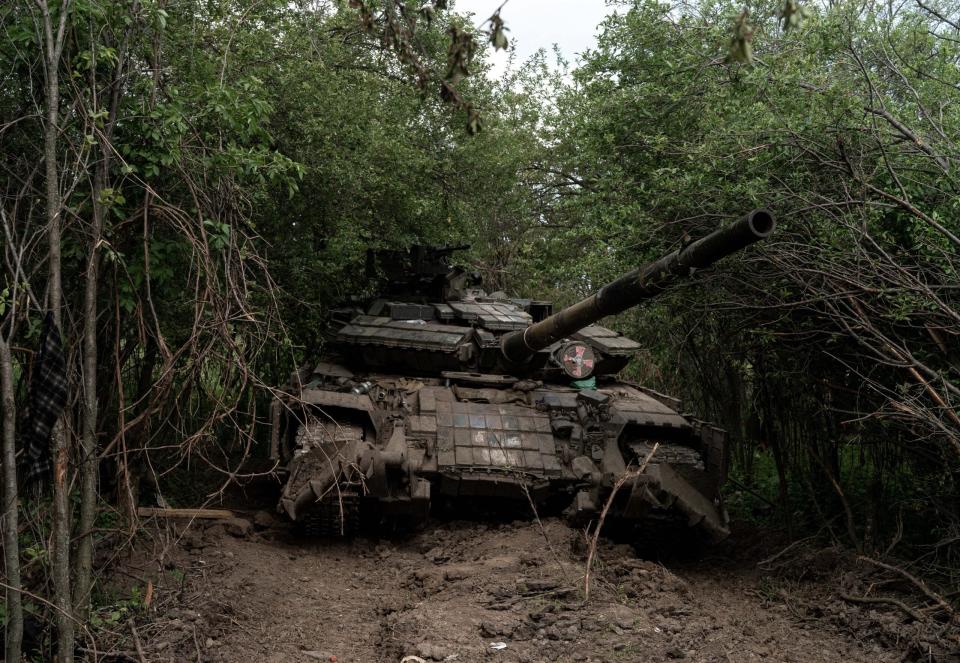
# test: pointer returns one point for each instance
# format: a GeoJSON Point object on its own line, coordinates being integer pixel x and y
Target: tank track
{"type": "Point", "coordinates": [326, 520]}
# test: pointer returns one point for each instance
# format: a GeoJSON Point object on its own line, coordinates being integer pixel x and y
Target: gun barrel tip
{"type": "Point", "coordinates": [761, 222]}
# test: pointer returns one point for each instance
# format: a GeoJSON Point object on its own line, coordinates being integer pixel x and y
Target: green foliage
{"type": "Point", "coordinates": [111, 610]}
{"type": "Point", "coordinates": [225, 166]}
{"type": "Point", "coordinates": [257, 150]}
{"type": "Point", "coordinates": [837, 124]}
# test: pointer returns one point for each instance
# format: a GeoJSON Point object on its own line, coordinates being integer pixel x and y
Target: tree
{"type": "Point", "coordinates": [830, 348]}
{"type": "Point", "coordinates": [182, 147]}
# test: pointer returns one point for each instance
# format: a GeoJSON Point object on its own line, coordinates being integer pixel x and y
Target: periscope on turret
{"type": "Point", "coordinates": [438, 390]}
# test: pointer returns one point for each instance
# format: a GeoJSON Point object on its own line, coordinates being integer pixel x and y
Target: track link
{"type": "Point", "coordinates": [337, 516]}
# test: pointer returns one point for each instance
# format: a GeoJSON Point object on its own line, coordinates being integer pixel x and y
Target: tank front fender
{"type": "Point", "coordinates": [662, 487]}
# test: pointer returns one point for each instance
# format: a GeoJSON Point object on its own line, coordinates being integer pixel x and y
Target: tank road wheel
{"type": "Point", "coordinates": [337, 516]}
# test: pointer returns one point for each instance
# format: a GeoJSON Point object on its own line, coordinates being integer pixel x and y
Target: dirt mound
{"type": "Point", "coordinates": [466, 592]}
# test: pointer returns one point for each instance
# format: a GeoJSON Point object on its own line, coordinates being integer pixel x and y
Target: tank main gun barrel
{"type": "Point", "coordinates": [638, 285]}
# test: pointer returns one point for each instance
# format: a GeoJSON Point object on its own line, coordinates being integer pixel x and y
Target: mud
{"type": "Point", "coordinates": [468, 592]}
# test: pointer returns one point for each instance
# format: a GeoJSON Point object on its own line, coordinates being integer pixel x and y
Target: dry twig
{"type": "Point", "coordinates": [136, 641]}
{"type": "Point", "coordinates": [592, 551]}
{"type": "Point", "coordinates": [917, 582]}
{"type": "Point", "coordinates": [884, 599]}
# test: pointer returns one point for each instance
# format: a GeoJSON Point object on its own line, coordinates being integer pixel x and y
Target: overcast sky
{"type": "Point", "coordinates": [533, 24]}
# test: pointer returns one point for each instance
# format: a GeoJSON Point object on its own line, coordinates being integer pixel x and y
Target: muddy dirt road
{"type": "Point", "coordinates": [477, 592]}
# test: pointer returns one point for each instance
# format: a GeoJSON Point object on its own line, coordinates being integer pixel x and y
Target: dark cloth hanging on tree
{"type": "Point", "coordinates": [46, 399]}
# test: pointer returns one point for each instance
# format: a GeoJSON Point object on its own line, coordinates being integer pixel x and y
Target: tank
{"type": "Point", "coordinates": [439, 391]}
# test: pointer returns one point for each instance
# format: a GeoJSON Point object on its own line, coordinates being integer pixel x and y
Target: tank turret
{"type": "Point", "coordinates": [436, 387]}
{"type": "Point", "coordinates": [432, 318]}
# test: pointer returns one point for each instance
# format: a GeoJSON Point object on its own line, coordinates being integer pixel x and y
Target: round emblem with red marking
{"type": "Point", "coordinates": [577, 360]}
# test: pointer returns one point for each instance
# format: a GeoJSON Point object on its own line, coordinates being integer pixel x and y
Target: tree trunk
{"type": "Point", "coordinates": [88, 432]}
{"type": "Point", "coordinates": [88, 435]}
{"type": "Point", "coordinates": [11, 546]}
{"type": "Point", "coordinates": [60, 553]}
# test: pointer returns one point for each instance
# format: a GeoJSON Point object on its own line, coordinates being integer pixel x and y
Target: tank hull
{"type": "Point", "coordinates": [399, 443]}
